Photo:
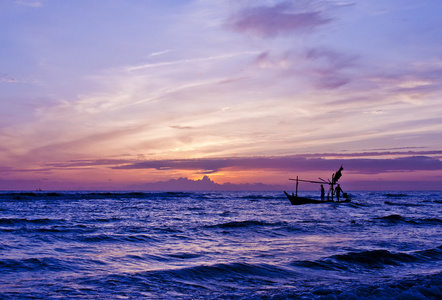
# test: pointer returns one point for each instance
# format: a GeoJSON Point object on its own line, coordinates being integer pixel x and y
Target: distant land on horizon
{"type": "Point", "coordinates": [207, 184]}
{"type": "Point", "coordinates": [204, 184]}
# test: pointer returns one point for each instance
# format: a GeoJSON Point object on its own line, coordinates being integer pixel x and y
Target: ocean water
{"type": "Point", "coordinates": [219, 245]}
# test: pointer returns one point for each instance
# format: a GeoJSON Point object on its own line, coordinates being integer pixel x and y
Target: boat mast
{"type": "Point", "coordinates": [296, 186]}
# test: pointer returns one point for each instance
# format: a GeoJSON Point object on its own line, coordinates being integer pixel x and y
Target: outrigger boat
{"type": "Point", "coordinates": [296, 200]}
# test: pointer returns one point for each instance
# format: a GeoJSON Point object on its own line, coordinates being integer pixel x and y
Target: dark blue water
{"type": "Point", "coordinates": [219, 245]}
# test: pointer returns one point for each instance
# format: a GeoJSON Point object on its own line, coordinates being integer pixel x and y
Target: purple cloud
{"type": "Point", "coordinates": [331, 81]}
{"type": "Point", "coordinates": [357, 165]}
{"type": "Point", "coordinates": [271, 21]}
{"type": "Point", "coordinates": [328, 67]}
{"type": "Point", "coordinates": [331, 58]}
{"type": "Point", "coordinates": [7, 78]}
{"type": "Point", "coordinates": [359, 162]}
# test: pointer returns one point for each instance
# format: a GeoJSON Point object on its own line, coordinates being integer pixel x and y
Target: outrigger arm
{"type": "Point", "coordinates": [312, 181]}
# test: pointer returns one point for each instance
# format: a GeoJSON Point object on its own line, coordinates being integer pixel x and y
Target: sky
{"type": "Point", "coordinates": [119, 93]}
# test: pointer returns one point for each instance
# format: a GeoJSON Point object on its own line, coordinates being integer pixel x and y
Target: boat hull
{"type": "Point", "coordinates": [295, 200]}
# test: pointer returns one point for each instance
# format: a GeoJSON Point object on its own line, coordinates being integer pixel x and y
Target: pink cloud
{"type": "Point", "coordinates": [272, 21]}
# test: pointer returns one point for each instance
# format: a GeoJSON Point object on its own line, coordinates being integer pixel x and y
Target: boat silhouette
{"type": "Point", "coordinates": [333, 191]}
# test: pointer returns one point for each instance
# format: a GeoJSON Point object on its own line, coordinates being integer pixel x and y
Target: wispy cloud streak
{"type": "Point", "coordinates": [186, 61]}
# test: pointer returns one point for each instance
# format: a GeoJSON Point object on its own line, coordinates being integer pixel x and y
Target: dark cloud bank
{"type": "Point", "coordinates": [370, 163]}
{"type": "Point", "coordinates": [297, 164]}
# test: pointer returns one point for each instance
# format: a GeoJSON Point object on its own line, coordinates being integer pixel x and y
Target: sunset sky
{"type": "Point", "coordinates": [113, 94]}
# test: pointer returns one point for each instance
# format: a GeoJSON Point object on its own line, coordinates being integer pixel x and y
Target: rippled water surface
{"type": "Point", "coordinates": [225, 245]}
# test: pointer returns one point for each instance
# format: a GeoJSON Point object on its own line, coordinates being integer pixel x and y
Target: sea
{"type": "Point", "coordinates": [219, 245]}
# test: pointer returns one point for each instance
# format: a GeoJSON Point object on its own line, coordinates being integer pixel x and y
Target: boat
{"type": "Point", "coordinates": [296, 200]}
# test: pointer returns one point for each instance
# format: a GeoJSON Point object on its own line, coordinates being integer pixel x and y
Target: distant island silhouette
{"type": "Point", "coordinates": [204, 184]}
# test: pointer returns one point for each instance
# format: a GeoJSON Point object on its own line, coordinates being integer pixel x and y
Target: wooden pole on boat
{"type": "Point", "coordinates": [312, 181]}
{"type": "Point", "coordinates": [296, 186]}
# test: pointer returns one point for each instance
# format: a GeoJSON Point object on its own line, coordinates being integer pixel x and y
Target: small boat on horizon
{"type": "Point", "coordinates": [333, 191]}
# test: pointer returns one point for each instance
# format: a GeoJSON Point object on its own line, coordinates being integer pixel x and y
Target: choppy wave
{"type": "Point", "coordinates": [396, 195]}
{"type": "Point", "coordinates": [218, 245]}
{"type": "Point", "coordinates": [255, 197]}
{"type": "Point", "coordinates": [395, 219]}
{"type": "Point", "coordinates": [245, 224]}
{"type": "Point", "coordinates": [427, 287]}
{"type": "Point", "coordinates": [373, 258]}
{"type": "Point", "coordinates": [17, 221]}
{"type": "Point", "coordinates": [35, 264]}
{"type": "Point", "coordinates": [402, 204]}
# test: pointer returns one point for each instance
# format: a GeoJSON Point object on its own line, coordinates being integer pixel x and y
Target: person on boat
{"type": "Point", "coordinates": [322, 193]}
{"type": "Point", "coordinates": [338, 191]}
